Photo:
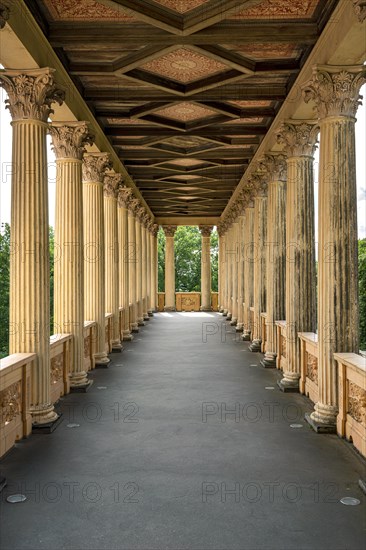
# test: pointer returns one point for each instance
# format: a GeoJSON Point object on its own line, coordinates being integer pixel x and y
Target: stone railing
{"type": "Point", "coordinates": [90, 335]}
{"type": "Point", "coordinates": [187, 301]}
{"type": "Point", "coordinates": [281, 342]}
{"type": "Point", "coordinates": [161, 301]}
{"type": "Point", "coordinates": [264, 332]}
{"type": "Point", "coordinates": [251, 321]}
{"type": "Point", "coordinates": [108, 332]}
{"type": "Point", "coordinates": [215, 301]}
{"type": "Point", "coordinates": [15, 386]}
{"type": "Point", "coordinates": [309, 365]}
{"type": "Point", "coordinates": [121, 321]}
{"type": "Point", "coordinates": [60, 356]}
{"type": "Point", "coordinates": [351, 420]}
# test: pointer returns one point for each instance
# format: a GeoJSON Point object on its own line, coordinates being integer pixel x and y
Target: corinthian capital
{"type": "Point", "coordinates": [360, 9]}
{"type": "Point", "coordinates": [133, 205]}
{"type": "Point", "coordinates": [111, 183]}
{"type": "Point", "coordinates": [335, 89]}
{"type": "Point", "coordinates": [155, 229]}
{"type": "Point", "coordinates": [124, 195]}
{"type": "Point", "coordinates": [31, 93]}
{"type": "Point", "coordinates": [275, 166]}
{"type": "Point", "coordinates": [69, 139]}
{"type": "Point", "coordinates": [4, 14]}
{"type": "Point", "coordinates": [169, 230]}
{"type": "Point", "coordinates": [206, 230]}
{"type": "Point", "coordinates": [298, 137]}
{"type": "Point", "coordinates": [94, 167]}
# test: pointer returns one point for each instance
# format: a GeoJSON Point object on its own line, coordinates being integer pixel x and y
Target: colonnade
{"type": "Point", "coordinates": [106, 240]}
{"type": "Point", "coordinates": [268, 266]}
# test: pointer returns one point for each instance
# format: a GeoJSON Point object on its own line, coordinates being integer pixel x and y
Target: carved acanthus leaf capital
{"type": "Point", "coordinates": [206, 230]}
{"type": "Point", "coordinates": [133, 205]}
{"type": "Point", "coordinates": [360, 9]}
{"type": "Point", "coordinates": [124, 195]}
{"type": "Point", "coordinates": [155, 229]}
{"type": "Point", "coordinates": [69, 139]}
{"type": "Point", "coordinates": [275, 165]}
{"type": "Point", "coordinates": [94, 167]}
{"type": "Point", "coordinates": [298, 137]}
{"type": "Point", "coordinates": [31, 94]}
{"type": "Point", "coordinates": [4, 14]}
{"type": "Point", "coordinates": [111, 184]}
{"type": "Point", "coordinates": [335, 89]}
{"type": "Point", "coordinates": [169, 230]}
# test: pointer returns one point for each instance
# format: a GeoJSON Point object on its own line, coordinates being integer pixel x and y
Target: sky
{"type": "Point", "coordinates": [5, 165]}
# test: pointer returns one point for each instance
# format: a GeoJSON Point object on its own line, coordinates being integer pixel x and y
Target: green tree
{"type": "Point", "coordinates": [187, 247]}
{"type": "Point", "coordinates": [214, 261]}
{"type": "Point", "coordinates": [362, 290]}
{"type": "Point", "coordinates": [4, 288]}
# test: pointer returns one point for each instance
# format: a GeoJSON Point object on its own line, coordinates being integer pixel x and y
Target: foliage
{"type": "Point", "coordinates": [362, 290]}
{"type": "Point", "coordinates": [187, 248]}
{"type": "Point", "coordinates": [4, 288]}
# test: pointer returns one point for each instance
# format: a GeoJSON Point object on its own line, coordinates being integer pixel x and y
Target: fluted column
{"type": "Point", "coordinates": [139, 269]}
{"type": "Point", "coordinates": [133, 204]}
{"type": "Point", "coordinates": [234, 271]}
{"type": "Point", "coordinates": [112, 265]}
{"type": "Point", "coordinates": [144, 269]}
{"type": "Point", "coordinates": [124, 194]}
{"type": "Point", "coordinates": [68, 141]}
{"type": "Point", "coordinates": [31, 94]}
{"type": "Point", "coordinates": [335, 91]}
{"type": "Point", "coordinates": [248, 268]}
{"type": "Point", "coordinates": [299, 139]}
{"type": "Point", "coordinates": [240, 290]}
{"type": "Point", "coordinates": [206, 231]}
{"type": "Point", "coordinates": [169, 231]}
{"type": "Point", "coordinates": [94, 167]}
{"type": "Point", "coordinates": [276, 252]}
{"type": "Point", "coordinates": [229, 272]}
{"type": "Point", "coordinates": [259, 269]}
{"type": "Point", "coordinates": [154, 266]}
{"type": "Point", "coordinates": [148, 228]}
{"type": "Point", "coordinates": [221, 275]}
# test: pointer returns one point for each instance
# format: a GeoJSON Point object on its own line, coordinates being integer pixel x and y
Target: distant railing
{"type": "Point", "coordinates": [281, 345]}
{"type": "Point", "coordinates": [60, 356]}
{"type": "Point", "coordinates": [188, 301]}
{"type": "Point", "coordinates": [309, 365]}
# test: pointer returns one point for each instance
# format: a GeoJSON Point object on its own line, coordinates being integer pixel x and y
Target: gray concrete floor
{"type": "Point", "coordinates": [181, 446]}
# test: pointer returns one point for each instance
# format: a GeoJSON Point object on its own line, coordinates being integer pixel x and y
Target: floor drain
{"type": "Point", "coordinates": [73, 425]}
{"type": "Point", "coordinates": [296, 426]}
{"type": "Point", "coordinates": [350, 501]}
{"type": "Point", "coordinates": [101, 387]}
{"type": "Point", "coordinates": [16, 498]}
{"type": "Point", "coordinates": [269, 388]}
{"type": "Point", "coordinates": [254, 365]}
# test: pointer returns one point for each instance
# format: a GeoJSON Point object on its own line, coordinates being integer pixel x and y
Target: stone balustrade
{"type": "Point", "coordinates": [108, 323]}
{"type": "Point", "coordinates": [264, 332]}
{"type": "Point", "coordinates": [281, 344]}
{"type": "Point", "coordinates": [60, 357]}
{"type": "Point", "coordinates": [351, 419]}
{"type": "Point", "coordinates": [188, 301]}
{"type": "Point", "coordinates": [309, 353]}
{"type": "Point", "coordinates": [90, 338]}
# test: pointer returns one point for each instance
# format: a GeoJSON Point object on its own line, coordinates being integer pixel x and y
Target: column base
{"type": "Point", "coordinates": [146, 317]}
{"type": "Point", "coordinates": [42, 415]}
{"type": "Point", "coordinates": [269, 360]}
{"type": "Point", "coordinates": [150, 313]}
{"type": "Point", "coordinates": [224, 312]}
{"type": "Point", "coordinates": [101, 360]}
{"type": "Point", "coordinates": [135, 327]}
{"type": "Point", "coordinates": [221, 309]}
{"type": "Point", "coordinates": [127, 336]}
{"type": "Point", "coordinates": [246, 335]}
{"type": "Point", "coordinates": [233, 321]}
{"type": "Point", "coordinates": [361, 484]}
{"type": "Point", "coordinates": [229, 316]}
{"type": "Point", "coordinates": [256, 346]}
{"type": "Point", "coordinates": [288, 386]}
{"type": "Point", "coordinates": [169, 308]}
{"type": "Point", "coordinates": [116, 346]}
{"type": "Point", "coordinates": [47, 427]}
{"type": "Point", "coordinates": [82, 388]}
{"type": "Point", "coordinates": [140, 322]}
{"type": "Point", "coordinates": [239, 327]}
{"type": "Point", "coordinates": [320, 427]}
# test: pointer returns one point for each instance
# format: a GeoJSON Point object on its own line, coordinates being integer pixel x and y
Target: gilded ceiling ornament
{"type": "Point", "coordinates": [31, 94]}
{"type": "Point", "coordinates": [335, 89]}
{"type": "Point", "coordinates": [169, 230]}
{"type": "Point", "coordinates": [4, 14]}
{"type": "Point", "coordinates": [111, 184]}
{"type": "Point", "coordinates": [87, 10]}
{"type": "Point", "coordinates": [94, 167]}
{"type": "Point", "coordinates": [206, 230]}
{"type": "Point", "coordinates": [298, 137]}
{"type": "Point", "coordinates": [360, 9]}
{"type": "Point", "coordinates": [69, 139]}
{"type": "Point", "coordinates": [181, 6]}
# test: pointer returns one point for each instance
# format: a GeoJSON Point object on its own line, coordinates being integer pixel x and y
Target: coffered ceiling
{"type": "Point", "coordinates": [184, 89]}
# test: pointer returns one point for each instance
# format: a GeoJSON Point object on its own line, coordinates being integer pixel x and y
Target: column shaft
{"type": "Point", "coordinates": [248, 270]}
{"type": "Point", "coordinates": [123, 243]}
{"type": "Point", "coordinates": [132, 264]}
{"type": "Point", "coordinates": [206, 267]}
{"type": "Point", "coordinates": [169, 268]}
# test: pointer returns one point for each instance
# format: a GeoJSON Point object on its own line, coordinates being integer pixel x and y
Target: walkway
{"type": "Point", "coordinates": [159, 462]}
